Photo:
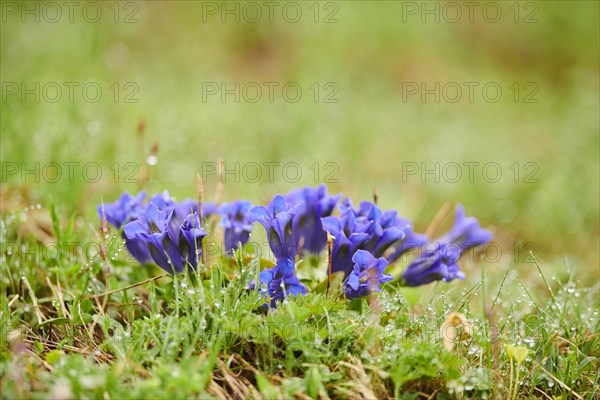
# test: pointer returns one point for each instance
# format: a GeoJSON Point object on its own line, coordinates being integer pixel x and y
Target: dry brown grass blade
{"type": "Point", "coordinates": [437, 220]}
{"type": "Point", "coordinates": [101, 295]}
{"type": "Point", "coordinates": [360, 387]}
{"type": "Point", "coordinates": [239, 386]}
{"type": "Point", "coordinates": [561, 383]}
{"type": "Point", "coordinates": [216, 390]}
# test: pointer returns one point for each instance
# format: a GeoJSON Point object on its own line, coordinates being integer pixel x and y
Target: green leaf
{"type": "Point", "coordinates": [267, 390]}
{"type": "Point", "coordinates": [510, 351]}
{"type": "Point", "coordinates": [54, 356]}
{"type": "Point", "coordinates": [521, 353]}
{"type": "Point", "coordinates": [313, 382]}
{"type": "Point", "coordinates": [39, 347]}
{"type": "Point", "coordinates": [55, 222]}
{"type": "Point", "coordinates": [336, 283]}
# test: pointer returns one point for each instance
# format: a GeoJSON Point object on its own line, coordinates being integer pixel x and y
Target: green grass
{"type": "Point", "coordinates": [61, 337]}
{"type": "Point", "coordinates": [202, 334]}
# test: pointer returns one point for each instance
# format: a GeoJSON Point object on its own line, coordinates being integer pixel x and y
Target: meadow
{"type": "Point", "coordinates": [416, 106]}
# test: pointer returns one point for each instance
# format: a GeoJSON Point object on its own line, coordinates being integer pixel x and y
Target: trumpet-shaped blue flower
{"type": "Point", "coordinates": [277, 218]}
{"type": "Point", "coordinates": [183, 208]}
{"type": "Point", "coordinates": [366, 276]}
{"type": "Point", "coordinates": [235, 219]}
{"type": "Point", "coordinates": [126, 208]}
{"type": "Point", "coordinates": [346, 241]}
{"type": "Point", "coordinates": [383, 234]}
{"type": "Point", "coordinates": [439, 260]}
{"type": "Point", "coordinates": [171, 243]}
{"type": "Point", "coordinates": [281, 281]}
{"type": "Point", "coordinates": [466, 232]}
{"type": "Point", "coordinates": [434, 265]}
{"type": "Point", "coordinates": [314, 204]}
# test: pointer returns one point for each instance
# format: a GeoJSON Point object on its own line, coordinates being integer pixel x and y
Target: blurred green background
{"type": "Point", "coordinates": [357, 122]}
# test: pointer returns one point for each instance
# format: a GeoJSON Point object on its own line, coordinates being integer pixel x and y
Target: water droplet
{"type": "Point", "coordinates": [94, 128]}
{"type": "Point", "coordinates": [152, 160]}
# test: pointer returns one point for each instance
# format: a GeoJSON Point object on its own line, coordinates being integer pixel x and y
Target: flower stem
{"type": "Point", "coordinates": [511, 380]}
{"type": "Point", "coordinates": [517, 381]}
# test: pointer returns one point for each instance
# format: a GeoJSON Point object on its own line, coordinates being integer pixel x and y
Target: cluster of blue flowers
{"type": "Point", "coordinates": [365, 239]}
{"type": "Point", "coordinates": [161, 230]}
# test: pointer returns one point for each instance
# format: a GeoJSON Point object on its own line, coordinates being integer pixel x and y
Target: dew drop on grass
{"type": "Point", "coordinates": [94, 128]}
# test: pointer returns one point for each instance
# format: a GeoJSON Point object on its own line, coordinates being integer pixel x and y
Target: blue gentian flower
{"type": "Point", "coordinates": [439, 260]}
{"type": "Point", "coordinates": [162, 200]}
{"type": "Point", "coordinates": [126, 208]}
{"type": "Point", "coordinates": [171, 243]}
{"type": "Point", "coordinates": [235, 219]}
{"type": "Point", "coordinates": [410, 239]}
{"type": "Point", "coordinates": [150, 231]}
{"type": "Point", "coordinates": [434, 265]}
{"type": "Point", "coordinates": [315, 204]}
{"type": "Point", "coordinates": [383, 234]}
{"type": "Point", "coordinates": [276, 218]}
{"type": "Point", "coordinates": [346, 241]}
{"type": "Point", "coordinates": [366, 276]}
{"type": "Point", "coordinates": [281, 281]}
{"type": "Point", "coordinates": [183, 208]}
{"type": "Point", "coordinates": [466, 232]}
